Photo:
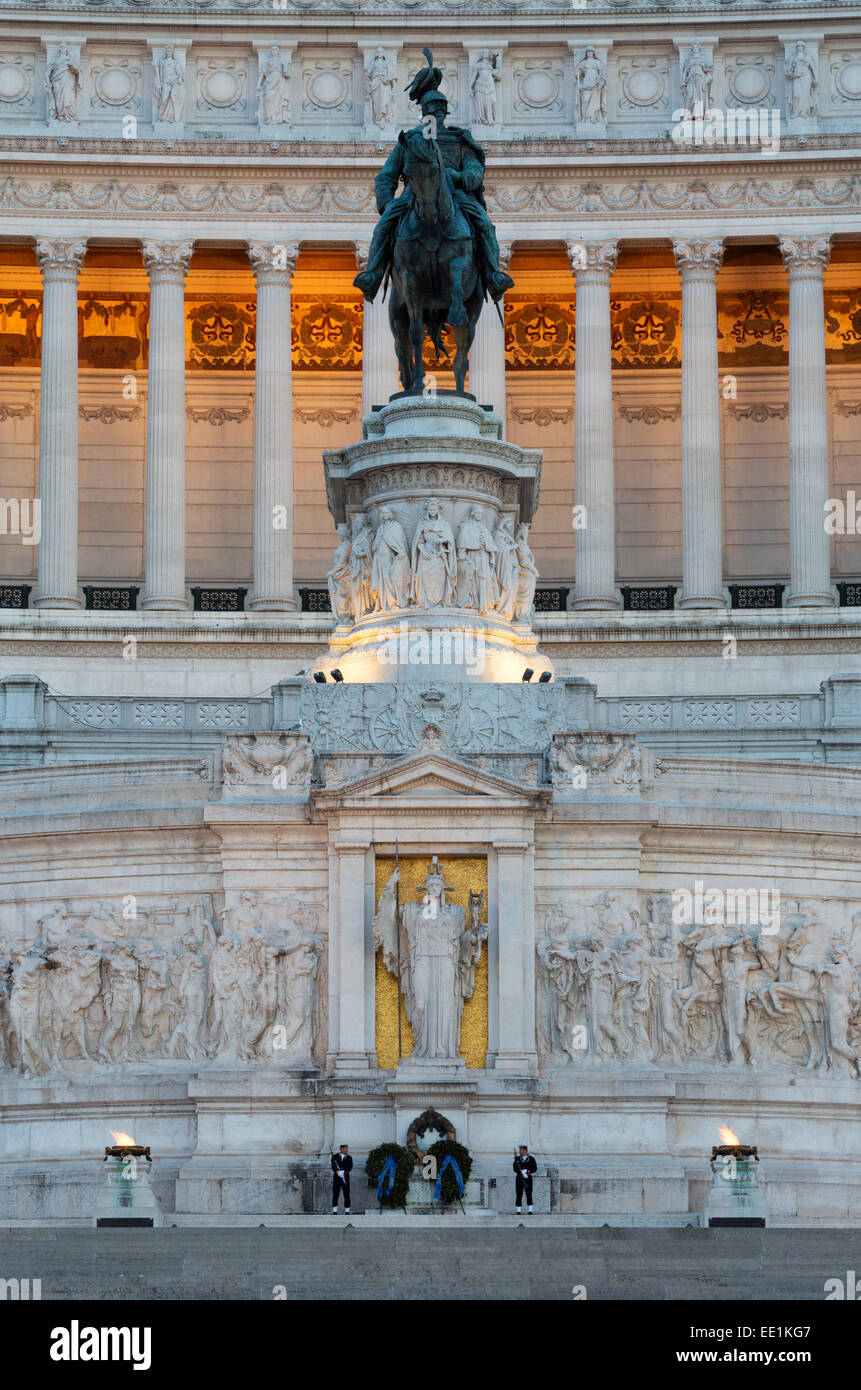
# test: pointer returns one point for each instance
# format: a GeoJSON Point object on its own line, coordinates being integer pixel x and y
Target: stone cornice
{"type": "Point", "coordinates": [526, 13]}
{"type": "Point", "coordinates": [249, 198]}
{"type": "Point", "coordinates": [79, 153]}
{"type": "Point", "coordinates": [563, 630]}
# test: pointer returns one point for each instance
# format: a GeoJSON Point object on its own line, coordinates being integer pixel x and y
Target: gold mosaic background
{"type": "Point", "coordinates": [753, 331]}
{"type": "Point", "coordinates": [462, 874]}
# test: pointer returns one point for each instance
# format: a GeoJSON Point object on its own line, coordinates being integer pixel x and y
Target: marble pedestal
{"type": "Point", "coordinates": [417, 453]}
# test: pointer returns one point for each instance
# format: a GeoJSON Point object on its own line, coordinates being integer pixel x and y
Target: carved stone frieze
{"type": "Point", "coordinates": [345, 196]}
{"type": "Point", "coordinates": [543, 415]}
{"type": "Point", "coordinates": [474, 719]}
{"type": "Point", "coordinates": [217, 415]}
{"type": "Point", "coordinates": [595, 764]}
{"type": "Point", "coordinates": [760, 412]}
{"type": "Point", "coordinates": [270, 764]}
{"type": "Point", "coordinates": [106, 985]}
{"type": "Point", "coordinates": [700, 976]}
{"type": "Point", "coordinates": [109, 414]}
{"type": "Point", "coordinates": [650, 414]}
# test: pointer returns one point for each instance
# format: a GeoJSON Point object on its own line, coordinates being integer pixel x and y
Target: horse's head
{"type": "Point", "coordinates": [423, 175]}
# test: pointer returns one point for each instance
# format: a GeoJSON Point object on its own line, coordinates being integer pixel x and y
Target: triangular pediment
{"type": "Point", "coordinates": [433, 775]}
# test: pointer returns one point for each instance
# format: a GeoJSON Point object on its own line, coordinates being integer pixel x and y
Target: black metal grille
{"type": "Point", "coordinates": [218, 600]}
{"type": "Point", "coordinates": [648, 598]}
{"type": "Point", "coordinates": [115, 598]}
{"type": "Point", "coordinates": [15, 595]}
{"type": "Point", "coordinates": [315, 600]}
{"type": "Point", "coordinates": [551, 600]}
{"type": "Point", "coordinates": [850, 593]}
{"type": "Point", "coordinates": [757, 595]}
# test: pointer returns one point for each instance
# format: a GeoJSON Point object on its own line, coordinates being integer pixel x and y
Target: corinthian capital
{"type": "Point", "coordinates": [363, 250]}
{"type": "Point", "coordinates": [593, 258]}
{"type": "Point", "coordinates": [693, 256]}
{"type": "Point", "coordinates": [60, 258]}
{"type": "Point", "coordinates": [167, 259]}
{"type": "Point", "coordinates": [805, 255]}
{"type": "Point", "coordinates": [274, 259]}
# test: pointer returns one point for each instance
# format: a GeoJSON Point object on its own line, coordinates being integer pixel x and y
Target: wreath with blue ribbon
{"type": "Point", "coordinates": [390, 1166]}
{"type": "Point", "coordinates": [454, 1165]}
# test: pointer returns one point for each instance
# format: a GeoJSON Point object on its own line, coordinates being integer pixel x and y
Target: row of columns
{"type": "Point", "coordinates": [592, 263]}
{"type": "Point", "coordinates": [167, 264]}
{"type": "Point", "coordinates": [698, 263]}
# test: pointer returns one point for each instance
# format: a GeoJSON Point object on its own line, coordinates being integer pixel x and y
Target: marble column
{"type": "Point", "coordinates": [351, 957]}
{"type": "Point", "coordinates": [167, 263]}
{"type": "Point", "coordinates": [60, 262]}
{"type": "Point", "coordinates": [274, 265]}
{"type": "Point", "coordinates": [515, 1050]}
{"type": "Point", "coordinates": [595, 542]}
{"type": "Point", "coordinates": [380, 376]}
{"type": "Point", "coordinates": [487, 354]}
{"type": "Point", "coordinates": [805, 259]}
{"type": "Point", "coordinates": [702, 530]}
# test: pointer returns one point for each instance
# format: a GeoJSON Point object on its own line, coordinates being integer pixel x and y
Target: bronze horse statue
{"type": "Point", "coordinates": [434, 271]}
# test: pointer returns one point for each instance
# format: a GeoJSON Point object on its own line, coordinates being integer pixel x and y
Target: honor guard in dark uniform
{"type": "Point", "coordinates": [525, 1169]}
{"type": "Point", "coordinates": [342, 1166]}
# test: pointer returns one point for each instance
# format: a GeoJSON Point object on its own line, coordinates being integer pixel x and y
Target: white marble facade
{"type": "Point", "coordinates": [187, 903]}
{"type": "Point", "coordinates": [572, 75]}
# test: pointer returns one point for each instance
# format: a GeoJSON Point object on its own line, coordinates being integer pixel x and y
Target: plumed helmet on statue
{"type": "Point", "coordinates": [424, 88]}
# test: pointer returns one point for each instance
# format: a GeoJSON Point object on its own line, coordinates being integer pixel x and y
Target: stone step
{"type": "Point", "coordinates": [467, 1262]}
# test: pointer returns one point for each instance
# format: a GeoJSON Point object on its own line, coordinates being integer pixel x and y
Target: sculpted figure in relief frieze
{"type": "Point", "coordinates": [63, 83]}
{"type": "Point", "coordinates": [801, 82]}
{"type": "Point", "coordinates": [486, 74]}
{"type": "Point", "coordinates": [434, 560]}
{"type": "Point", "coordinates": [713, 993]}
{"type": "Point", "coordinates": [507, 566]}
{"type": "Point", "coordinates": [527, 577]}
{"type": "Point", "coordinates": [361, 562]}
{"type": "Point", "coordinates": [338, 578]}
{"type": "Point", "coordinates": [168, 95]}
{"type": "Point", "coordinates": [476, 574]}
{"type": "Point", "coordinates": [591, 88]}
{"type": "Point", "coordinates": [87, 992]}
{"type": "Point", "coordinates": [380, 81]}
{"type": "Point", "coordinates": [390, 569]}
{"type": "Point", "coordinates": [273, 89]}
{"type": "Point", "coordinates": [696, 81]}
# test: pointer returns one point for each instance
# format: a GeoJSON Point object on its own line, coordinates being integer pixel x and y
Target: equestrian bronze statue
{"type": "Point", "coordinates": [436, 241]}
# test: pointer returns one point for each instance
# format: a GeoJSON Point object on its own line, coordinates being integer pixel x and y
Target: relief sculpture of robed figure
{"type": "Point", "coordinates": [438, 953]}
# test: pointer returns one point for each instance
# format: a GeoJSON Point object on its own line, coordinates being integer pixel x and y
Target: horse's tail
{"type": "Point", "coordinates": [434, 332]}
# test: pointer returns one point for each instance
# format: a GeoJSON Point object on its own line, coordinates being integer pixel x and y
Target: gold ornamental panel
{"type": "Point", "coordinates": [463, 873]}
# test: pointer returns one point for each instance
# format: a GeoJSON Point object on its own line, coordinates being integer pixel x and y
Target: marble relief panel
{"type": "Point", "coordinates": [18, 91]}
{"type": "Point", "coordinates": [540, 88]}
{"type": "Point", "coordinates": [331, 88]}
{"type": "Point", "coordinates": [219, 86]}
{"type": "Point", "coordinates": [116, 85]}
{"type": "Point", "coordinates": [644, 83]}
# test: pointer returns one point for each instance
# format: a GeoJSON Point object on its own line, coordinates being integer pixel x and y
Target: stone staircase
{"type": "Point", "coordinates": [312, 1258]}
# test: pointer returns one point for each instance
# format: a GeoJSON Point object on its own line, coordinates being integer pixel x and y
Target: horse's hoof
{"type": "Point", "coordinates": [457, 317]}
